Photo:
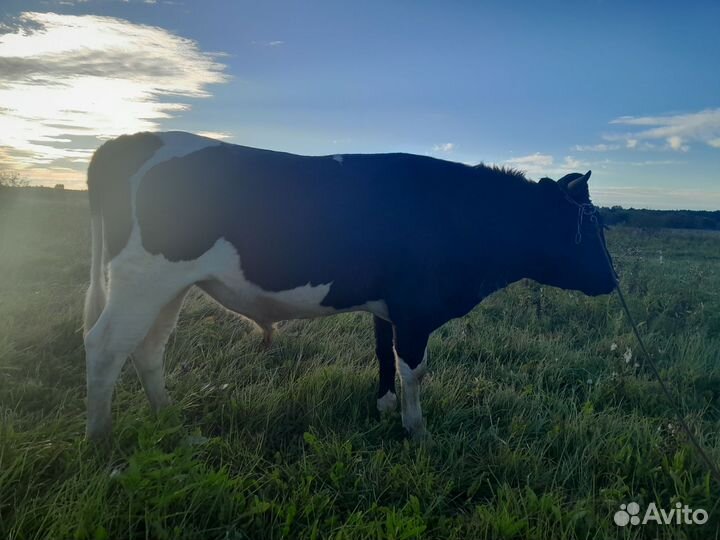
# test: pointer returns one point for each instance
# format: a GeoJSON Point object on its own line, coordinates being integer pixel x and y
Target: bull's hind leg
{"type": "Point", "coordinates": [411, 356]}
{"type": "Point", "coordinates": [134, 304]}
{"type": "Point", "coordinates": [387, 399]}
{"type": "Point", "coordinates": [267, 329]}
{"type": "Point", "coordinates": [148, 357]}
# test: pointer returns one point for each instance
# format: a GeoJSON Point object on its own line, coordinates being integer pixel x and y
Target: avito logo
{"type": "Point", "coordinates": [629, 514]}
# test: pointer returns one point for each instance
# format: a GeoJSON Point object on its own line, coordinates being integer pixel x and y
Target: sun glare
{"type": "Point", "coordinates": [70, 81]}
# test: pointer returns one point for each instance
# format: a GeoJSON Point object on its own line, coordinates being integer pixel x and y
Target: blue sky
{"type": "Point", "coordinates": [630, 90]}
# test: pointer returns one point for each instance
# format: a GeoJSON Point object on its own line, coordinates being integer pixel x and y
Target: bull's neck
{"type": "Point", "coordinates": [520, 246]}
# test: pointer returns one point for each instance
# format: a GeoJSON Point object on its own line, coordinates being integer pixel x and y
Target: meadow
{"type": "Point", "coordinates": [544, 417]}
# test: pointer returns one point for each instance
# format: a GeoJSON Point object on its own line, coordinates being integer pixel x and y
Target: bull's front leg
{"type": "Point", "coordinates": [410, 344]}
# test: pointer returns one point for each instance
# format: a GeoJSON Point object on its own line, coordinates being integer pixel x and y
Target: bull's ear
{"type": "Point", "coordinates": [579, 182]}
{"type": "Point", "coordinates": [565, 180]}
{"type": "Point", "coordinates": [578, 188]}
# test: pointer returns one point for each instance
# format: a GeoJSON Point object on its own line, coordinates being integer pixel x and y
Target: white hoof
{"type": "Point", "coordinates": [387, 403]}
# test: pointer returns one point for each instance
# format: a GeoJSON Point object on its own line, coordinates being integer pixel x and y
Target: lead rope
{"type": "Point", "coordinates": [674, 404]}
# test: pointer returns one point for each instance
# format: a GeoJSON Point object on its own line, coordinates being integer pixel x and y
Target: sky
{"type": "Point", "coordinates": [627, 89]}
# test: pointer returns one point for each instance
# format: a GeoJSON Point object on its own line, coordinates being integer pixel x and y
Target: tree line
{"type": "Point", "coordinates": [668, 219]}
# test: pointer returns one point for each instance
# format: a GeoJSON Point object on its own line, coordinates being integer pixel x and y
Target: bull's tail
{"type": "Point", "coordinates": [95, 296]}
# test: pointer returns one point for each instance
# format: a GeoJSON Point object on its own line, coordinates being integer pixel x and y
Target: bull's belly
{"type": "Point", "coordinates": [266, 307]}
{"type": "Point", "coordinates": [218, 273]}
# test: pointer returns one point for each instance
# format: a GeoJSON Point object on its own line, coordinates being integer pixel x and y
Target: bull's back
{"type": "Point", "coordinates": [351, 220]}
{"type": "Point", "coordinates": [293, 219]}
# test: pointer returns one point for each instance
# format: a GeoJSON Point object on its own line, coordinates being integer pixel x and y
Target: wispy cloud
{"type": "Point", "coordinates": [215, 134]}
{"type": "Point", "coordinates": [273, 43]}
{"type": "Point", "coordinates": [570, 163]}
{"type": "Point", "coordinates": [656, 162]}
{"type": "Point", "coordinates": [545, 164]}
{"type": "Point", "coordinates": [536, 163]}
{"type": "Point", "coordinates": [676, 131]}
{"type": "Point", "coordinates": [444, 147]}
{"type": "Point", "coordinates": [68, 81]}
{"type": "Point", "coordinates": [676, 143]}
{"type": "Point", "coordinates": [76, 2]}
{"type": "Point", "coordinates": [602, 147]}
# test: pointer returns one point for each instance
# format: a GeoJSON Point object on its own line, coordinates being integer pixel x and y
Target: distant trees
{"type": "Point", "coordinates": [9, 179]}
{"type": "Point", "coordinates": [670, 219]}
{"type": "Point", "coordinates": [12, 179]}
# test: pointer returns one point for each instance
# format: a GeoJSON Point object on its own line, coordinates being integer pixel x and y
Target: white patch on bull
{"type": "Point", "coordinates": [412, 418]}
{"type": "Point", "coordinates": [338, 158]}
{"type": "Point", "coordinates": [242, 296]}
{"type": "Point", "coordinates": [387, 403]}
{"type": "Point", "coordinates": [140, 286]}
{"type": "Point", "coordinates": [221, 263]}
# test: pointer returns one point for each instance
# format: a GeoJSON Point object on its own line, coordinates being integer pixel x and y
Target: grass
{"type": "Point", "coordinates": [544, 417]}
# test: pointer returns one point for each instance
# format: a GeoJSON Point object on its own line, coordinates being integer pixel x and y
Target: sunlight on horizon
{"type": "Point", "coordinates": [69, 82]}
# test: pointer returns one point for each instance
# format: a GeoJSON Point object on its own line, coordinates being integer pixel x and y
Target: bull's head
{"type": "Point", "coordinates": [573, 254]}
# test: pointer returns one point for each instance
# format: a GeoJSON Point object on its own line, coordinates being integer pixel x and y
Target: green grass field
{"type": "Point", "coordinates": [544, 418]}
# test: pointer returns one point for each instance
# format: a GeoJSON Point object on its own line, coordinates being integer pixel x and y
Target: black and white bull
{"type": "Point", "coordinates": [415, 241]}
